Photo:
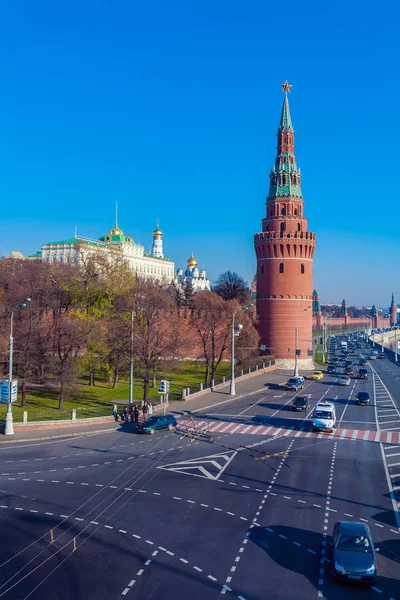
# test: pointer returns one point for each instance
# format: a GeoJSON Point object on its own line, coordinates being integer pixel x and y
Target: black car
{"type": "Point", "coordinates": [301, 403]}
{"type": "Point", "coordinates": [335, 360]}
{"type": "Point", "coordinates": [349, 371]}
{"type": "Point", "coordinates": [362, 373]}
{"type": "Point", "coordinates": [363, 362]}
{"type": "Point", "coordinates": [353, 552]}
{"type": "Point", "coordinates": [363, 398]}
{"type": "Point", "coordinates": [348, 363]}
{"type": "Point", "coordinates": [382, 355]}
{"type": "Point", "coordinates": [157, 424]}
{"type": "Point", "coordinates": [331, 369]}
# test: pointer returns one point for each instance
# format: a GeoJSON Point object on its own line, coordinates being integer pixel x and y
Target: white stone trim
{"type": "Point", "coordinates": [281, 258]}
{"type": "Point", "coordinates": [291, 299]}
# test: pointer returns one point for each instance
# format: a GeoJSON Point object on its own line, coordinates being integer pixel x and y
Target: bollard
{"type": "Point", "coordinates": [188, 391]}
{"type": "Point", "coordinates": [201, 387]}
{"type": "Point", "coordinates": [51, 536]}
{"type": "Point", "coordinates": [223, 378]}
{"type": "Point", "coordinates": [74, 415]}
{"type": "Point", "coordinates": [256, 367]}
{"type": "Point", "coordinates": [263, 365]}
{"type": "Point", "coordinates": [249, 370]}
{"type": "Point", "coordinates": [184, 394]}
{"type": "Point", "coordinates": [25, 417]}
{"type": "Point", "coordinates": [212, 384]}
{"type": "Point", "coordinates": [241, 373]}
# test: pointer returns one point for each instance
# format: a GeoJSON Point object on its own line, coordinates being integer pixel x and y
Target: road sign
{"type": "Point", "coordinates": [5, 391]}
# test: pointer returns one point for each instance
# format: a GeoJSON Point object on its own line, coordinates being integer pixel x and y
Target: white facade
{"type": "Point", "coordinates": [142, 264]}
{"type": "Point", "coordinates": [192, 276]}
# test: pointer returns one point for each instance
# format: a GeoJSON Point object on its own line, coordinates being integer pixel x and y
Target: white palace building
{"type": "Point", "coordinates": [147, 265]}
{"type": "Point", "coordinates": [151, 265]}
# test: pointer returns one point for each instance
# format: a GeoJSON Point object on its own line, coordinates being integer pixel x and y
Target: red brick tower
{"type": "Point", "coordinates": [393, 312]}
{"type": "Point", "coordinates": [285, 251]}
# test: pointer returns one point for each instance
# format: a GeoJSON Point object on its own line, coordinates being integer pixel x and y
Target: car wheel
{"type": "Point", "coordinates": [170, 427]}
{"type": "Point", "coordinates": [152, 431]}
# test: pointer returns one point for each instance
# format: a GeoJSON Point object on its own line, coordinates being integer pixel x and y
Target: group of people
{"type": "Point", "coordinates": [131, 414]}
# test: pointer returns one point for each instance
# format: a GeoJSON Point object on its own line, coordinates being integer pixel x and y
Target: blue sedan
{"type": "Point", "coordinates": [157, 424]}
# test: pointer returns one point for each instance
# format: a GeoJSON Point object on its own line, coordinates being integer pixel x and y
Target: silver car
{"type": "Point", "coordinates": [344, 380]}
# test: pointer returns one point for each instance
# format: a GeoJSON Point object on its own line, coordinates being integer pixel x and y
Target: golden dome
{"type": "Point", "coordinates": [192, 262]}
{"type": "Point", "coordinates": [116, 230]}
{"type": "Point", "coordinates": [157, 233]}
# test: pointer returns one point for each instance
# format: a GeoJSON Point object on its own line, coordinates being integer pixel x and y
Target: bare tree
{"type": "Point", "coordinates": [231, 286]}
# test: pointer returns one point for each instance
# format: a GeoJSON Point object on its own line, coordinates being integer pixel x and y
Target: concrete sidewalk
{"type": "Point", "coordinates": [178, 408]}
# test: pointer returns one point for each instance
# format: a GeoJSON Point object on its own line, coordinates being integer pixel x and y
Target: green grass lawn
{"type": "Point", "coordinates": [318, 356]}
{"type": "Point", "coordinates": [42, 402]}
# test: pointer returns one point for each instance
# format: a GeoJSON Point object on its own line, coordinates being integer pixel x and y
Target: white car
{"type": "Point", "coordinates": [344, 380]}
{"type": "Point", "coordinates": [372, 357]}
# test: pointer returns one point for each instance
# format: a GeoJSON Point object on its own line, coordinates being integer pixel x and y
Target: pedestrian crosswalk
{"type": "Point", "coordinates": [390, 437]}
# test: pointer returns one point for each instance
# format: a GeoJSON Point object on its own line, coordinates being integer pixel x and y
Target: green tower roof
{"type": "Point", "coordinates": [286, 121]}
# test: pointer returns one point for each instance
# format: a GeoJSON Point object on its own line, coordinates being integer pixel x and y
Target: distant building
{"type": "Point", "coordinates": [149, 265]}
{"type": "Point", "coordinates": [196, 279]}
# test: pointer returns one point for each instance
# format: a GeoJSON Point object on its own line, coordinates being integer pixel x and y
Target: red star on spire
{"type": "Point", "coordinates": [286, 86]}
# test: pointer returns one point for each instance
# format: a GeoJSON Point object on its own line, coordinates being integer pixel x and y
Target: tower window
{"type": "Point", "coordinates": [302, 269]}
{"type": "Point", "coordinates": [262, 270]}
{"type": "Point", "coordinates": [298, 226]}
{"type": "Point", "coordinates": [283, 211]}
{"type": "Point", "coordinates": [282, 227]}
{"type": "Point", "coordinates": [295, 212]}
{"type": "Point", "coordinates": [281, 268]}
{"type": "Point", "coordinates": [271, 212]}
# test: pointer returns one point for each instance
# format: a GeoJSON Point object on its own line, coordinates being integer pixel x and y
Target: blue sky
{"type": "Point", "coordinates": [172, 108]}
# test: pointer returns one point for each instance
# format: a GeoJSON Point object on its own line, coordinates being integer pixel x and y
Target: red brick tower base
{"type": "Point", "coordinates": [285, 250]}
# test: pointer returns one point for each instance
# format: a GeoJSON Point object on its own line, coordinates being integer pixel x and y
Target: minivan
{"type": "Point", "coordinates": [324, 417]}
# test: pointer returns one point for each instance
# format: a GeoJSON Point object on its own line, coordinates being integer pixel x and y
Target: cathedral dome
{"type": "Point", "coordinates": [192, 262]}
{"type": "Point", "coordinates": [157, 233]}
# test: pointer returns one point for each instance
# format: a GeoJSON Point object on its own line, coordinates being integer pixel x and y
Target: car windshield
{"type": "Point", "coordinates": [323, 414]}
{"type": "Point", "coordinates": [152, 420]}
{"type": "Point", "coordinates": [293, 380]}
{"type": "Point", "coordinates": [354, 543]}
{"type": "Point", "coordinates": [300, 401]}
{"type": "Point", "coordinates": [363, 395]}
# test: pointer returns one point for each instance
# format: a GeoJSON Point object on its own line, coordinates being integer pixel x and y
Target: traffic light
{"type": "Point", "coordinates": [163, 387]}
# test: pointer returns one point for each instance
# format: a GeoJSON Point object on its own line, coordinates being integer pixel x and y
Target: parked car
{"type": "Point", "coordinates": [363, 398]}
{"type": "Point", "coordinates": [301, 403]}
{"type": "Point", "coordinates": [157, 424]}
{"type": "Point", "coordinates": [353, 552]}
{"type": "Point", "coordinates": [294, 383]}
{"type": "Point", "coordinates": [344, 380]}
{"type": "Point", "coordinates": [317, 375]}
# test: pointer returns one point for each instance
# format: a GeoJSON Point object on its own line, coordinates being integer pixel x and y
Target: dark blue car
{"type": "Point", "coordinates": [157, 424]}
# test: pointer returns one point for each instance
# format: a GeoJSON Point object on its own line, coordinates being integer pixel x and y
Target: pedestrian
{"type": "Point", "coordinates": [126, 415]}
{"type": "Point", "coordinates": [145, 410]}
{"type": "Point", "coordinates": [150, 409]}
{"type": "Point", "coordinates": [136, 413]}
{"type": "Point", "coordinates": [130, 413]}
{"type": "Point", "coordinates": [115, 412]}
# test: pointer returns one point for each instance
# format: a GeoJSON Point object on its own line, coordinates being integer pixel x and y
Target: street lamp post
{"type": "Point", "coordinates": [232, 388]}
{"type": "Point", "coordinates": [296, 358]}
{"type": "Point", "coordinates": [9, 428]}
{"type": "Point", "coordinates": [131, 363]}
{"type": "Point", "coordinates": [395, 344]}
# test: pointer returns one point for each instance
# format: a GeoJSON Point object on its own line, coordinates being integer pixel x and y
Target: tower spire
{"type": "Point", "coordinates": [286, 121]}
{"type": "Point", "coordinates": [116, 213]}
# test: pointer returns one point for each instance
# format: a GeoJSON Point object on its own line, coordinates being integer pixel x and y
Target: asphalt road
{"type": "Point", "coordinates": [119, 515]}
